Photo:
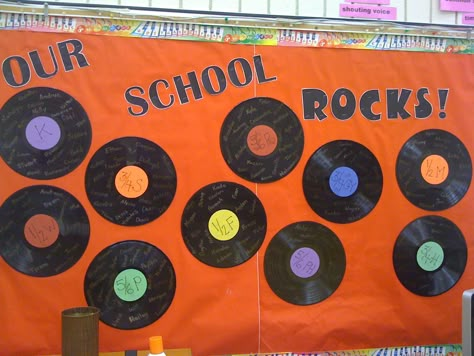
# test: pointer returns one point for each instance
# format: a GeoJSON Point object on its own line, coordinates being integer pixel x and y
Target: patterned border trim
{"type": "Point", "coordinates": [233, 34]}
{"type": "Point", "coordinates": [433, 350]}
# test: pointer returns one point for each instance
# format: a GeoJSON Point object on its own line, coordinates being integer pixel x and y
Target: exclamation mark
{"type": "Point", "coordinates": [443, 97]}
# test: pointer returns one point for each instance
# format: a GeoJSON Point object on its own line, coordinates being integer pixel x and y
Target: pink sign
{"type": "Point", "coordinates": [367, 11]}
{"type": "Point", "coordinates": [457, 5]}
{"type": "Point", "coordinates": [380, 2]}
{"type": "Point", "coordinates": [468, 19]}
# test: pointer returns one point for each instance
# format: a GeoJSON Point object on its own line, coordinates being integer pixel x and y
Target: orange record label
{"type": "Point", "coordinates": [41, 230]}
{"type": "Point", "coordinates": [262, 140]}
{"type": "Point", "coordinates": [434, 169]}
{"type": "Point", "coordinates": [131, 181]}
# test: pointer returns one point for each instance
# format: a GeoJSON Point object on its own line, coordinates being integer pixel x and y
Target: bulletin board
{"type": "Point", "coordinates": [233, 198]}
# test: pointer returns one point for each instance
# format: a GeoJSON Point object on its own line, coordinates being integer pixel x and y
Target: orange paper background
{"type": "Point", "coordinates": [233, 310]}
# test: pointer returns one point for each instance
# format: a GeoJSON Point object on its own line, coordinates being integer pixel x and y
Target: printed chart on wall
{"type": "Point", "coordinates": [233, 198]}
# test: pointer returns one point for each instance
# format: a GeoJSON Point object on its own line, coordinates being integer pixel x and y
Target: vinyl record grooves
{"type": "Point", "coordinates": [44, 230]}
{"type": "Point", "coordinates": [131, 181]}
{"type": "Point", "coordinates": [223, 224]}
{"type": "Point", "coordinates": [304, 263]}
{"type": "Point", "coordinates": [434, 170]}
{"type": "Point", "coordinates": [132, 283]}
{"type": "Point", "coordinates": [44, 133]}
{"type": "Point", "coordinates": [430, 255]}
{"type": "Point", "coordinates": [342, 181]}
{"type": "Point", "coordinates": [262, 140]}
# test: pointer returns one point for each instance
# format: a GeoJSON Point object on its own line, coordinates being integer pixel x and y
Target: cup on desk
{"type": "Point", "coordinates": [80, 331]}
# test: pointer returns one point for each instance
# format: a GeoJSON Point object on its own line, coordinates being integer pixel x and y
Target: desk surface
{"type": "Point", "coordinates": [171, 352]}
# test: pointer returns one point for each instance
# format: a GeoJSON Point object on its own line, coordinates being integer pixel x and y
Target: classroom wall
{"type": "Point", "coordinates": [422, 11]}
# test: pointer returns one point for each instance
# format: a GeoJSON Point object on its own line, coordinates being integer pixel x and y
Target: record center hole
{"type": "Point", "coordinates": [131, 181]}
{"type": "Point", "coordinates": [262, 140]}
{"type": "Point", "coordinates": [223, 225]}
{"type": "Point", "coordinates": [305, 262]}
{"type": "Point", "coordinates": [430, 256]}
{"type": "Point", "coordinates": [343, 181]}
{"type": "Point", "coordinates": [434, 169]}
{"type": "Point", "coordinates": [130, 284]}
{"type": "Point", "coordinates": [41, 230]}
{"type": "Point", "coordinates": [43, 133]}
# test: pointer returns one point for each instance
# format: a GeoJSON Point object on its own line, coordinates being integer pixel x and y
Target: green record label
{"type": "Point", "coordinates": [430, 256]}
{"type": "Point", "coordinates": [130, 285]}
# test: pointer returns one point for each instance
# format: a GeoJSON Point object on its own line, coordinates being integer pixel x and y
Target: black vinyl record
{"type": "Point", "coordinates": [44, 230]}
{"type": "Point", "coordinates": [304, 263]}
{"type": "Point", "coordinates": [223, 224]}
{"type": "Point", "coordinates": [132, 283]}
{"type": "Point", "coordinates": [44, 133]}
{"type": "Point", "coordinates": [342, 181]}
{"type": "Point", "coordinates": [262, 140]}
{"type": "Point", "coordinates": [434, 170]}
{"type": "Point", "coordinates": [131, 181]}
{"type": "Point", "coordinates": [430, 255]}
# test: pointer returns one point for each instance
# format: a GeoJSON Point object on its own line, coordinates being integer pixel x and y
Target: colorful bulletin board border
{"type": "Point", "coordinates": [431, 350]}
{"type": "Point", "coordinates": [234, 34]}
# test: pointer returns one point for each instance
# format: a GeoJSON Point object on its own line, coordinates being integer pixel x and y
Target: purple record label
{"type": "Point", "coordinates": [304, 262]}
{"type": "Point", "coordinates": [43, 133]}
{"type": "Point", "coordinates": [343, 181]}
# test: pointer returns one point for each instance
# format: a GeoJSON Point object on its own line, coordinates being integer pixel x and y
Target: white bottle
{"type": "Point", "coordinates": [156, 346]}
